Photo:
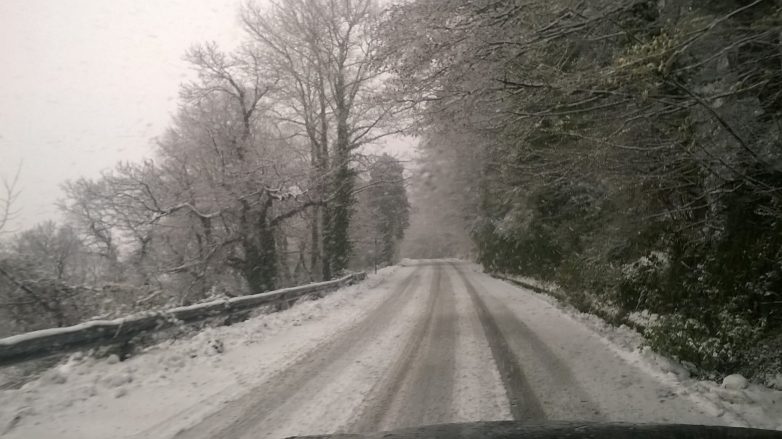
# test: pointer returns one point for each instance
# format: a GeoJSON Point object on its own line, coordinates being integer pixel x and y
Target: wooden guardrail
{"type": "Point", "coordinates": [34, 344]}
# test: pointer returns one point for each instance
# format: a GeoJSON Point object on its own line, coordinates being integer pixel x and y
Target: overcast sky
{"type": "Point", "coordinates": [85, 83]}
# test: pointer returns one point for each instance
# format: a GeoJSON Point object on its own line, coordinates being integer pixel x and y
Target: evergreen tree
{"type": "Point", "coordinates": [389, 206]}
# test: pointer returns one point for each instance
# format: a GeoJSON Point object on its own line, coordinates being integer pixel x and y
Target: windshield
{"type": "Point", "coordinates": [272, 218]}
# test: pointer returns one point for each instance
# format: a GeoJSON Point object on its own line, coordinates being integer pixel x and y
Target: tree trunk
{"type": "Point", "coordinates": [338, 238]}
{"type": "Point", "coordinates": [259, 267]}
{"type": "Point", "coordinates": [315, 256]}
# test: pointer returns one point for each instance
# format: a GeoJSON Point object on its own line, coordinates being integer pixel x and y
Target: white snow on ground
{"type": "Point", "coordinates": [753, 406]}
{"type": "Point", "coordinates": [177, 383]}
{"type": "Point", "coordinates": [330, 407]}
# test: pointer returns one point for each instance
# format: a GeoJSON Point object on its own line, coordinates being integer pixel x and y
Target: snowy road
{"type": "Point", "coordinates": [449, 344]}
{"type": "Point", "coordinates": [428, 342]}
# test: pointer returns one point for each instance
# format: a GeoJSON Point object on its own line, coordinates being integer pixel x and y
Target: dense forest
{"type": "Point", "coordinates": [263, 180]}
{"type": "Point", "coordinates": [628, 151]}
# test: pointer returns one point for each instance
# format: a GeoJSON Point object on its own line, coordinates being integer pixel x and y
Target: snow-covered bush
{"type": "Point", "coordinates": [719, 346]}
{"type": "Point", "coordinates": [642, 283]}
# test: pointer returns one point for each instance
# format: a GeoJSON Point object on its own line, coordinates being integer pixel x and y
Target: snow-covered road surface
{"type": "Point", "coordinates": [430, 342]}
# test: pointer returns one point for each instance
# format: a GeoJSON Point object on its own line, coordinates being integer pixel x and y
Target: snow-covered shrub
{"type": "Point", "coordinates": [719, 346]}
{"type": "Point", "coordinates": [764, 361]}
{"type": "Point", "coordinates": [642, 283]}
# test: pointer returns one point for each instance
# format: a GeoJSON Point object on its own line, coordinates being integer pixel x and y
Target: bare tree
{"type": "Point", "coordinates": [330, 93]}
{"type": "Point", "coordinates": [55, 249]}
{"type": "Point", "coordinates": [88, 208]}
{"type": "Point", "coordinates": [8, 199]}
{"type": "Point", "coordinates": [258, 166]}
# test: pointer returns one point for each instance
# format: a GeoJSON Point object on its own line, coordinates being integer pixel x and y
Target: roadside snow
{"type": "Point", "coordinates": [116, 324]}
{"type": "Point", "coordinates": [177, 383]}
{"type": "Point", "coordinates": [735, 382]}
{"type": "Point", "coordinates": [750, 406]}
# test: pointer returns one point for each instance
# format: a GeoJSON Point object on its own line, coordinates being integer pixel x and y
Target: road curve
{"type": "Point", "coordinates": [450, 344]}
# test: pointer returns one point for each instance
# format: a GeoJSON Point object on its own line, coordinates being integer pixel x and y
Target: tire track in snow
{"type": "Point", "coordinates": [479, 394]}
{"type": "Point", "coordinates": [418, 388]}
{"type": "Point", "coordinates": [557, 392]}
{"type": "Point", "coordinates": [428, 392]}
{"type": "Point", "coordinates": [251, 411]}
{"type": "Point", "coordinates": [524, 404]}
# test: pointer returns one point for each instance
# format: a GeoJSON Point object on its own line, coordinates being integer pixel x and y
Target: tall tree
{"type": "Point", "coordinates": [224, 179]}
{"type": "Point", "coordinates": [389, 206]}
{"type": "Point", "coordinates": [331, 94]}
